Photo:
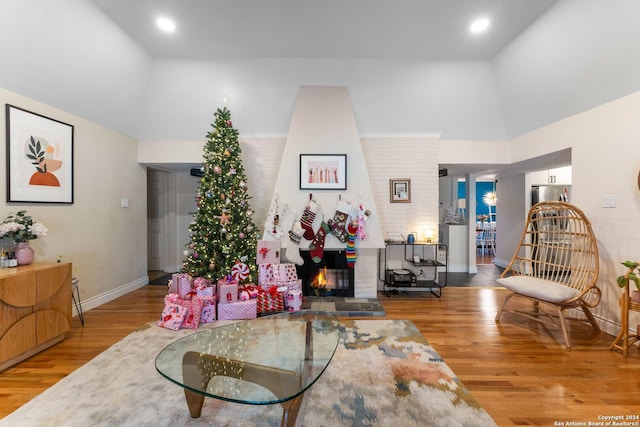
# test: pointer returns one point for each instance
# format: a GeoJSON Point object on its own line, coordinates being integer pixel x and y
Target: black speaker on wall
{"type": "Point", "coordinates": [442, 172]}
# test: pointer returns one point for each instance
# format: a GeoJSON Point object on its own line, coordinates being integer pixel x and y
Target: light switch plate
{"type": "Point", "coordinates": [609, 201]}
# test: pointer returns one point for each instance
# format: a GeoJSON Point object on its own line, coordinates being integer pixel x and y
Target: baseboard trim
{"type": "Point", "coordinates": [104, 298]}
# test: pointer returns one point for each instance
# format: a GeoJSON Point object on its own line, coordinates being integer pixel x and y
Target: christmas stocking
{"type": "Point", "coordinates": [273, 229]}
{"type": "Point", "coordinates": [316, 248]}
{"type": "Point", "coordinates": [291, 242]}
{"type": "Point", "coordinates": [309, 214]}
{"type": "Point", "coordinates": [363, 216]}
{"type": "Point", "coordinates": [351, 244]}
{"type": "Point", "coordinates": [339, 221]}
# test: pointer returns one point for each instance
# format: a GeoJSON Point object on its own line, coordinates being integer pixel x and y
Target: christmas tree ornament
{"type": "Point", "coordinates": [185, 253]}
{"type": "Point", "coordinates": [240, 271]}
{"type": "Point", "coordinates": [339, 221]}
{"type": "Point", "coordinates": [308, 216]}
{"type": "Point", "coordinates": [227, 153]}
{"type": "Point", "coordinates": [352, 228]}
{"type": "Point", "coordinates": [217, 170]}
{"type": "Point", "coordinates": [316, 248]}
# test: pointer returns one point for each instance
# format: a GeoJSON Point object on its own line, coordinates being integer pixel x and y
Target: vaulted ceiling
{"type": "Point", "coordinates": [407, 29]}
{"type": "Point", "coordinates": [411, 66]}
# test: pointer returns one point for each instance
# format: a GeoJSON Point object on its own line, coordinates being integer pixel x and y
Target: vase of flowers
{"type": "Point", "coordinates": [21, 228]}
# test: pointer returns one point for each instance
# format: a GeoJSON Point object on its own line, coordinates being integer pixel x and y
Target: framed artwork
{"type": "Point", "coordinates": [323, 171]}
{"type": "Point", "coordinates": [400, 190]}
{"type": "Point", "coordinates": [39, 158]}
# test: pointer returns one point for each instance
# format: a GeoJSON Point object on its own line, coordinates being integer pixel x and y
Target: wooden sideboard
{"type": "Point", "coordinates": [35, 309]}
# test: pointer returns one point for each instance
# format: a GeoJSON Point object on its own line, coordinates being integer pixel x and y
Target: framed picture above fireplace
{"type": "Point", "coordinates": [323, 171]}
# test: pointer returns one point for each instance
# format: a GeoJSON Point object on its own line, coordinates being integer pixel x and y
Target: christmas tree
{"type": "Point", "coordinates": [223, 235]}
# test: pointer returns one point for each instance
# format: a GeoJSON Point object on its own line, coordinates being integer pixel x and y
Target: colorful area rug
{"type": "Point", "coordinates": [384, 373]}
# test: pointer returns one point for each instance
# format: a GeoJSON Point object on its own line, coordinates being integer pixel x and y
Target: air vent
{"type": "Point", "coordinates": [442, 172]}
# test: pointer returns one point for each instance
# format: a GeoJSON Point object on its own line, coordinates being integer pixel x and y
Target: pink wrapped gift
{"type": "Point", "coordinates": [205, 291]}
{"type": "Point", "coordinates": [250, 289]}
{"type": "Point", "coordinates": [293, 285]}
{"type": "Point", "coordinates": [208, 313]}
{"type": "Point", "coordinates": [240, 310]}
{"type": "Point", "coordinates": [286, 272]}
{"type": "Point", "coordinates": [228, 290]}
{"type": "Point", "coordinates": [269, 273]}
{"type": "Point", "coordinates": [181, 284]}
{"type": "Point", "coordinates": [193, 306]}
{"type": "Point", "coordinates": [268, 252]}
{"type": "Point", "coordinates": [294, 300]}
{"type": "Point", "coordinates": [201, 281]}
{"type": "Point", "coordinates": [172, 316]}
{"type": "Point", "coordinates": [266, 273]}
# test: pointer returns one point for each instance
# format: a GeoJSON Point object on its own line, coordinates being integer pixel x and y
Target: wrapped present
{"type": "Point", "coordinates": [181, 284]}
{"type": "Point", "coordinates": [208, 313]}
{"type": "Point", "coordinates": [286, 272]}
{"type": "Point", "coordinates": [268, 252]}
{"type": "Point", "coordinates": [294, 285]}
{"type": "Point", "coordinates": [269, 273]}
{"type": "Point", "coordinates": [193, 306]}
{"type": "Point", "coordinates": [200, 282]}
{"type": "Point", "coordinates": [293, 301]}
{"type": "Point", "coordinates": [205, 291]}
{"type": "Point", "coordinates": [240, 310]}
{"type": "Point", "coordinates": [172, 316]}
{"type": "Point", "coordinates": [271, 300]}
{"type": "Point", "coordinates": [227, 290]}
{"type": "Point", "coordinates": [266, 273]}
{"type": "Point", "coordinates": [250, 289]}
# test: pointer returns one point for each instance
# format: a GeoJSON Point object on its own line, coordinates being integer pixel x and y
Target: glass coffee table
{"type": "Point", "coordinates": [263, 361]}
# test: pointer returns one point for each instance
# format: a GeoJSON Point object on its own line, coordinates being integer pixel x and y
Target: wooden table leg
{"type": "Point", "coordinates": [198, 369]}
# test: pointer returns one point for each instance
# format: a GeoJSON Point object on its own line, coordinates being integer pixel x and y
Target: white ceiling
{"type": "Point", "coordinates": [410, 29]}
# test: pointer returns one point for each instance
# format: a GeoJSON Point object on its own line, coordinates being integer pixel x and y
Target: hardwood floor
{"type": "Point", "coordinates": [519, 373]}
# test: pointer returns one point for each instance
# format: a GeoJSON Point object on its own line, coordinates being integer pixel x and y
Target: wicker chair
{"type": "Point", "coordinates": [555, 264]}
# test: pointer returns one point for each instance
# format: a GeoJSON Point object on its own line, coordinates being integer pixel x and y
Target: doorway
{"type": "Point", "coordinates": [156, 219]}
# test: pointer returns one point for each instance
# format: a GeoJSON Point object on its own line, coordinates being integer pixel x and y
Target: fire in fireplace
{"type": "Point", "coordinates": [331, 274]}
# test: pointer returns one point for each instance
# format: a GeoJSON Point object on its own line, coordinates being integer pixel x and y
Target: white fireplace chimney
{"type": "Point", "coordinates": [323, 123]}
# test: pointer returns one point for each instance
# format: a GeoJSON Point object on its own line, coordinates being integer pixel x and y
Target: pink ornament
{"type": "Point", "coordinates": [217, 170]}
{"type": "Point", "coordinates": [229, 123]}
{"type": "Point", "coordinates": [241, 235]}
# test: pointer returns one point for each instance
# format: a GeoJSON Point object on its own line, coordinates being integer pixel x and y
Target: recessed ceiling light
{"type": "Point", "coordinates": [166, 24]}
{"type": "Point", "coordinates": [479, 26]}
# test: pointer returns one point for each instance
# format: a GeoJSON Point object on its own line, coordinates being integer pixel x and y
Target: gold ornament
{"type": "Point", "coordinates": [227, 153]}
{"type": "Point", "coordinates": [212, 266]}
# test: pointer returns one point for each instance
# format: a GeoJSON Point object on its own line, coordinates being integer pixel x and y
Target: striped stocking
{"type": "Point", "coordinates": [351, 243]}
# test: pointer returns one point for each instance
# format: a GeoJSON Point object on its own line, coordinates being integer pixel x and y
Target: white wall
{"type": "Point", "coordinates": [389, 96]}
{"type": "Point", "coordinates": [107, 244]}
{"type": "Point", "coordinates": [603, 142]}
{"type": "Point", "coordinates": [70, 55]}
{"type": "Point", "coordinates": [578, 55]}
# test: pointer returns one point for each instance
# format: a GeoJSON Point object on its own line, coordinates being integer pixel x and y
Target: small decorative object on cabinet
{"type": "Point", "coordinates": [415, 266]}
{"type": "Point", "coordinates": [623, 340]}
